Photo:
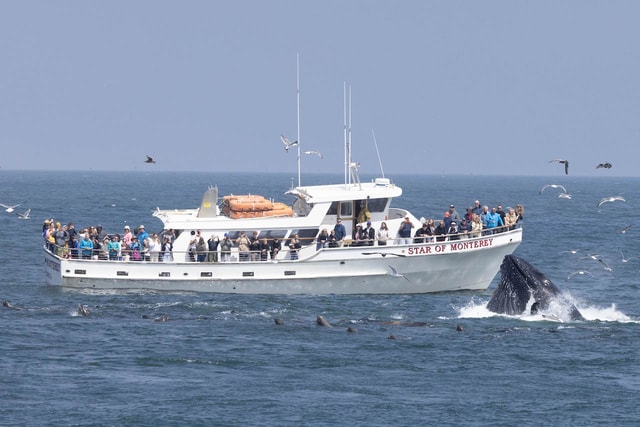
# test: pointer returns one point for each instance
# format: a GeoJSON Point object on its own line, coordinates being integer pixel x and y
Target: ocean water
{"type": "Point", "coordinates": [222, 360]}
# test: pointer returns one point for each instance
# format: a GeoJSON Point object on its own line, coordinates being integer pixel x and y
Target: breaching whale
{"type": "Point", "coordinates": [519, 283]}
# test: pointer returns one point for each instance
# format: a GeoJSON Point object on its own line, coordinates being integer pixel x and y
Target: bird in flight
{"type": "Point", "coordinates": [565, 162]}
{"type": "Point", "coordinates": [544, 187]}
{"type": "Point", "coordinates": [9, 208]}
{"type": "Point", "coordinates": [581, 272]}
{"type": "Point", "coordinates": [24, 215]}
{"type": "Point", "coordinates": [150, 159]}
{"type": "Point", "coordinates": [394, 273]}
{"type": "Point", "coordinates": [625, 229]}
{"type": "Point", "coordinates": [287, 144]}
{"type": "Point", "coordinates": [317, 153]}
{"type": "Point", "coordinates": [611, 199]}
{"type": "Point", "coordinates": [564, 195]}
{"type": "Point", "coordinates": [605, 165]}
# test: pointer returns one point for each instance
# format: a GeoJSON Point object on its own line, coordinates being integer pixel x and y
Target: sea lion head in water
{"type": "Point", "coordinates": [321, 321]}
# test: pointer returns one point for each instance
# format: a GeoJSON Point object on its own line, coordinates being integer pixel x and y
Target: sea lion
{"type": "Point", "coordinates": [321, 321]}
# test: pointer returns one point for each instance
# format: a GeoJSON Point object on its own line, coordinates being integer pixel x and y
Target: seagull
{"type": "Point", "coordinates": [544, 187]}
{"type": "Point", "coordinates": [24, 215]}
{"type": "Point", "coordinates": [9, 208]}
{"type": "Point", "coordinates": [150, 159]}
{"type": "Point", "coordinates": [605, 165]}
{"type": "Point", "coordinates": [564, 196]}
{"type": "Point", "coordinates": [625, 229]}
{"type": "Point", "coordinates": [581, 272]}
{"type": "Point", "coordinates": [319, 154]}
{"type": "Point", "coordinates": [606, 266]}
{"type": "Point", "coordinates": [611, 199]}
{"type": "Point", "coordinates": [287, 144]}
{"type": "Point", "coordinates": [394, 273]}
{"type": "Point", "coordinates": [566, 164]}
{"type": "Point", "coordinates": [626, 259]}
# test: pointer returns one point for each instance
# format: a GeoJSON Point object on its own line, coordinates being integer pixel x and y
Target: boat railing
{"type": "Point", "coordinates": [236, 256]}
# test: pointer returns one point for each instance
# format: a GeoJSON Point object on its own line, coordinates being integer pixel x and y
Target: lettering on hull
{"type": "Point", "coordinates": [450, 247]}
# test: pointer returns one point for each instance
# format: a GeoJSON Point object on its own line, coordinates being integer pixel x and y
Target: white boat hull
{"type": "Point", "coordinates": [469, 264]}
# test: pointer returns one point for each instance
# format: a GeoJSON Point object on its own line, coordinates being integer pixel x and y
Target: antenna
{"type": "Point", "coordinates": [298, 109]}
{"type": "Point", "coordinates": [346, 159]}
{"type": "Point", "coordinates": [378, 152]}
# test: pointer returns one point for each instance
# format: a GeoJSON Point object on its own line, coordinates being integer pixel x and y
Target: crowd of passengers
{"type": "Point", "coordinates": [95, 243]}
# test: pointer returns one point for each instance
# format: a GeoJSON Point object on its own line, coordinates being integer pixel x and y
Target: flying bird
{"type": "Point", "coordinates": [626, 259]}
{"type": "Point", "coordinates": [605, 165]}
{"type": "Point", "coordinates": [564, 195]}
{"type": "Point", "coordinates": [581, 272]}
{"type": "Point", "coordinates": [625, 229]}
{"type": "Point", "coordinates": [150, 159]}
{"type": "Point", "coordinates": [287, 144]}
{"type": "Point", "coordinates": [24, 215]}
{"type": "Point", "coordinates": [566, 164]}
{"type": "Point", "coordinates": [317, 153]}
{"type": "Point", "coordinates": [9, 208]}
{"type": "Point", "coordinates": [394, 273]}
{"type": "Point", "coordinates": [611, 199]}
{"type": "Point", "coordinates": [552, 186]}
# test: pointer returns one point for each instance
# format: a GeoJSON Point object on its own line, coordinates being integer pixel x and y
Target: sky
{"type": "Point", "coordinates": [446, 87]}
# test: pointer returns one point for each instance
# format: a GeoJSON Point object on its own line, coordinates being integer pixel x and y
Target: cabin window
{"type": "Point", "coordinates": [346, 209]}
{"type": "Point", "coordinates": [306, 235]}
{"type": "Point", "coordinates": [270, 234]}
{"type": "Point", "coordinates": [377, 205]}
{"type": "Point", "coordinates": [333, 209]}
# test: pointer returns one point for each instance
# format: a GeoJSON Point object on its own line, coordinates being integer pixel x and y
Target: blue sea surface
{"type": "Point", "coordinates": [222, 360]}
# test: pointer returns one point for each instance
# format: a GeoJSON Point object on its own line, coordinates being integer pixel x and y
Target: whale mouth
{"type": "Point", "coordinates": [519, 283]}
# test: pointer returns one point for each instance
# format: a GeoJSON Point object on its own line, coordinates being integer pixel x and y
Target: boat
{"type": "Point", "coordinates": [468, 263]}
{"type": "Point", "coordinates": [402, 266]}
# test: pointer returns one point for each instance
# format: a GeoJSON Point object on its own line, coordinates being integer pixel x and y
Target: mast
{"type": "Point", "coordinates": [298, 110]}
{"type": "Point", "coordinates": [346, 158]}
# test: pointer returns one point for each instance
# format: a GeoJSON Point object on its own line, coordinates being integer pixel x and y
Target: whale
{"type": "Point", "coordinates": [520, 282]}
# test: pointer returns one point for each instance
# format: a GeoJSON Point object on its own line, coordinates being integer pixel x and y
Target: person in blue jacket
{"type": "Point", "coordinates": [86, 246]}
{"type": "Point", "coordinates": [341, 232]}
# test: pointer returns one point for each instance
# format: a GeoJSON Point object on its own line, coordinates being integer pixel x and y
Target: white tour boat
{"type": "Point", "coordinates": [468, 263]}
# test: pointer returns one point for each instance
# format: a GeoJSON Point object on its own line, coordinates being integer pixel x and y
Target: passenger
{"type": "Point", "coordinates": [86, 246]}
{"type": "Point", "coordinates": [212, 243]}
{"type": "Point", "coordinates": [493, 221]}
{"type": "Point", "coordinates": [510, 219]}
{"type": "Point", "coordinates": [464, 228]}
{"type": "Point", "coordinates": [49, 236]}
{"type": "Point", "coordinates": [321, 240]}
{"type": "Point", "coordinates": [114, 248]}
{"type": "Point", "coordinates": [254, 247]}
{"type": "Point", "coordinates": [294, 247]}
{"type": "Point", "coordinates": [193, 246]}
{"type": "Point", "coordinates": [453, 231]}
{"type": "Point", "coordinates": [477, 208]}
{"type": "Point", "coordinates": [143, 236]}
{"type": "Point", "coordinates": [476, 226]}
{"type": "Point", "coordinates": [369, 234]}
{"type": "Point", "coordinates": [440, 232]}
{"type": "Point", "coordinates": [166, 250]}
{"type": "Point", "coordinates": [454, 215]}
{"type": "Point", "coordinates": [201, 249]}
{"type": "Point", "coordinates": [104, 249]}
{"type": "Point", "coordinates": [422, 234]}
{"type": "Point", "coordinates": [135, 249]}
{"type": "Point", "coordinates": [62, 239]}
{"type": "Point", "coordinates": [404, 232]}
{"type": "Point", "coordinates": [340, 231]}
{"type": "Point", "coordinates": [275, 247]}
{"type": "Point", "coordinates": [225, 248]}
{"type": "Point", "coordinates": [383, 234]}
{"type": "Point", "coordinates": [502, 213]}
{"type": "Point", "coordinates": [483, 216]}
{"type": "Point", "coordinates": [468, 215]}
{"type": "Point", "coordinates": [364, 214]}
{"type": "Point", "coordinates": [447, 220]}
{"type": "Point", "coordinates": [154, 247]}
{"type": "Point", "coordinates": [520, 213]}
{"type": "Point", "coordinates": [97, 243]}
{"type": "Point", "coordinates": [242, 243]}
{"type": "Point", "coordinates": [101, 233]}
{"type": "Point", "coordinates": [357, 235]}
{"type": "Point", "coordinates": [126, 239]}
{"type": "Point", "coordinates": [72, 241]}
{"type": "Point", "coordinates": [332, 242]}
{"type": "Point", "coordinates": [264, 249]}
